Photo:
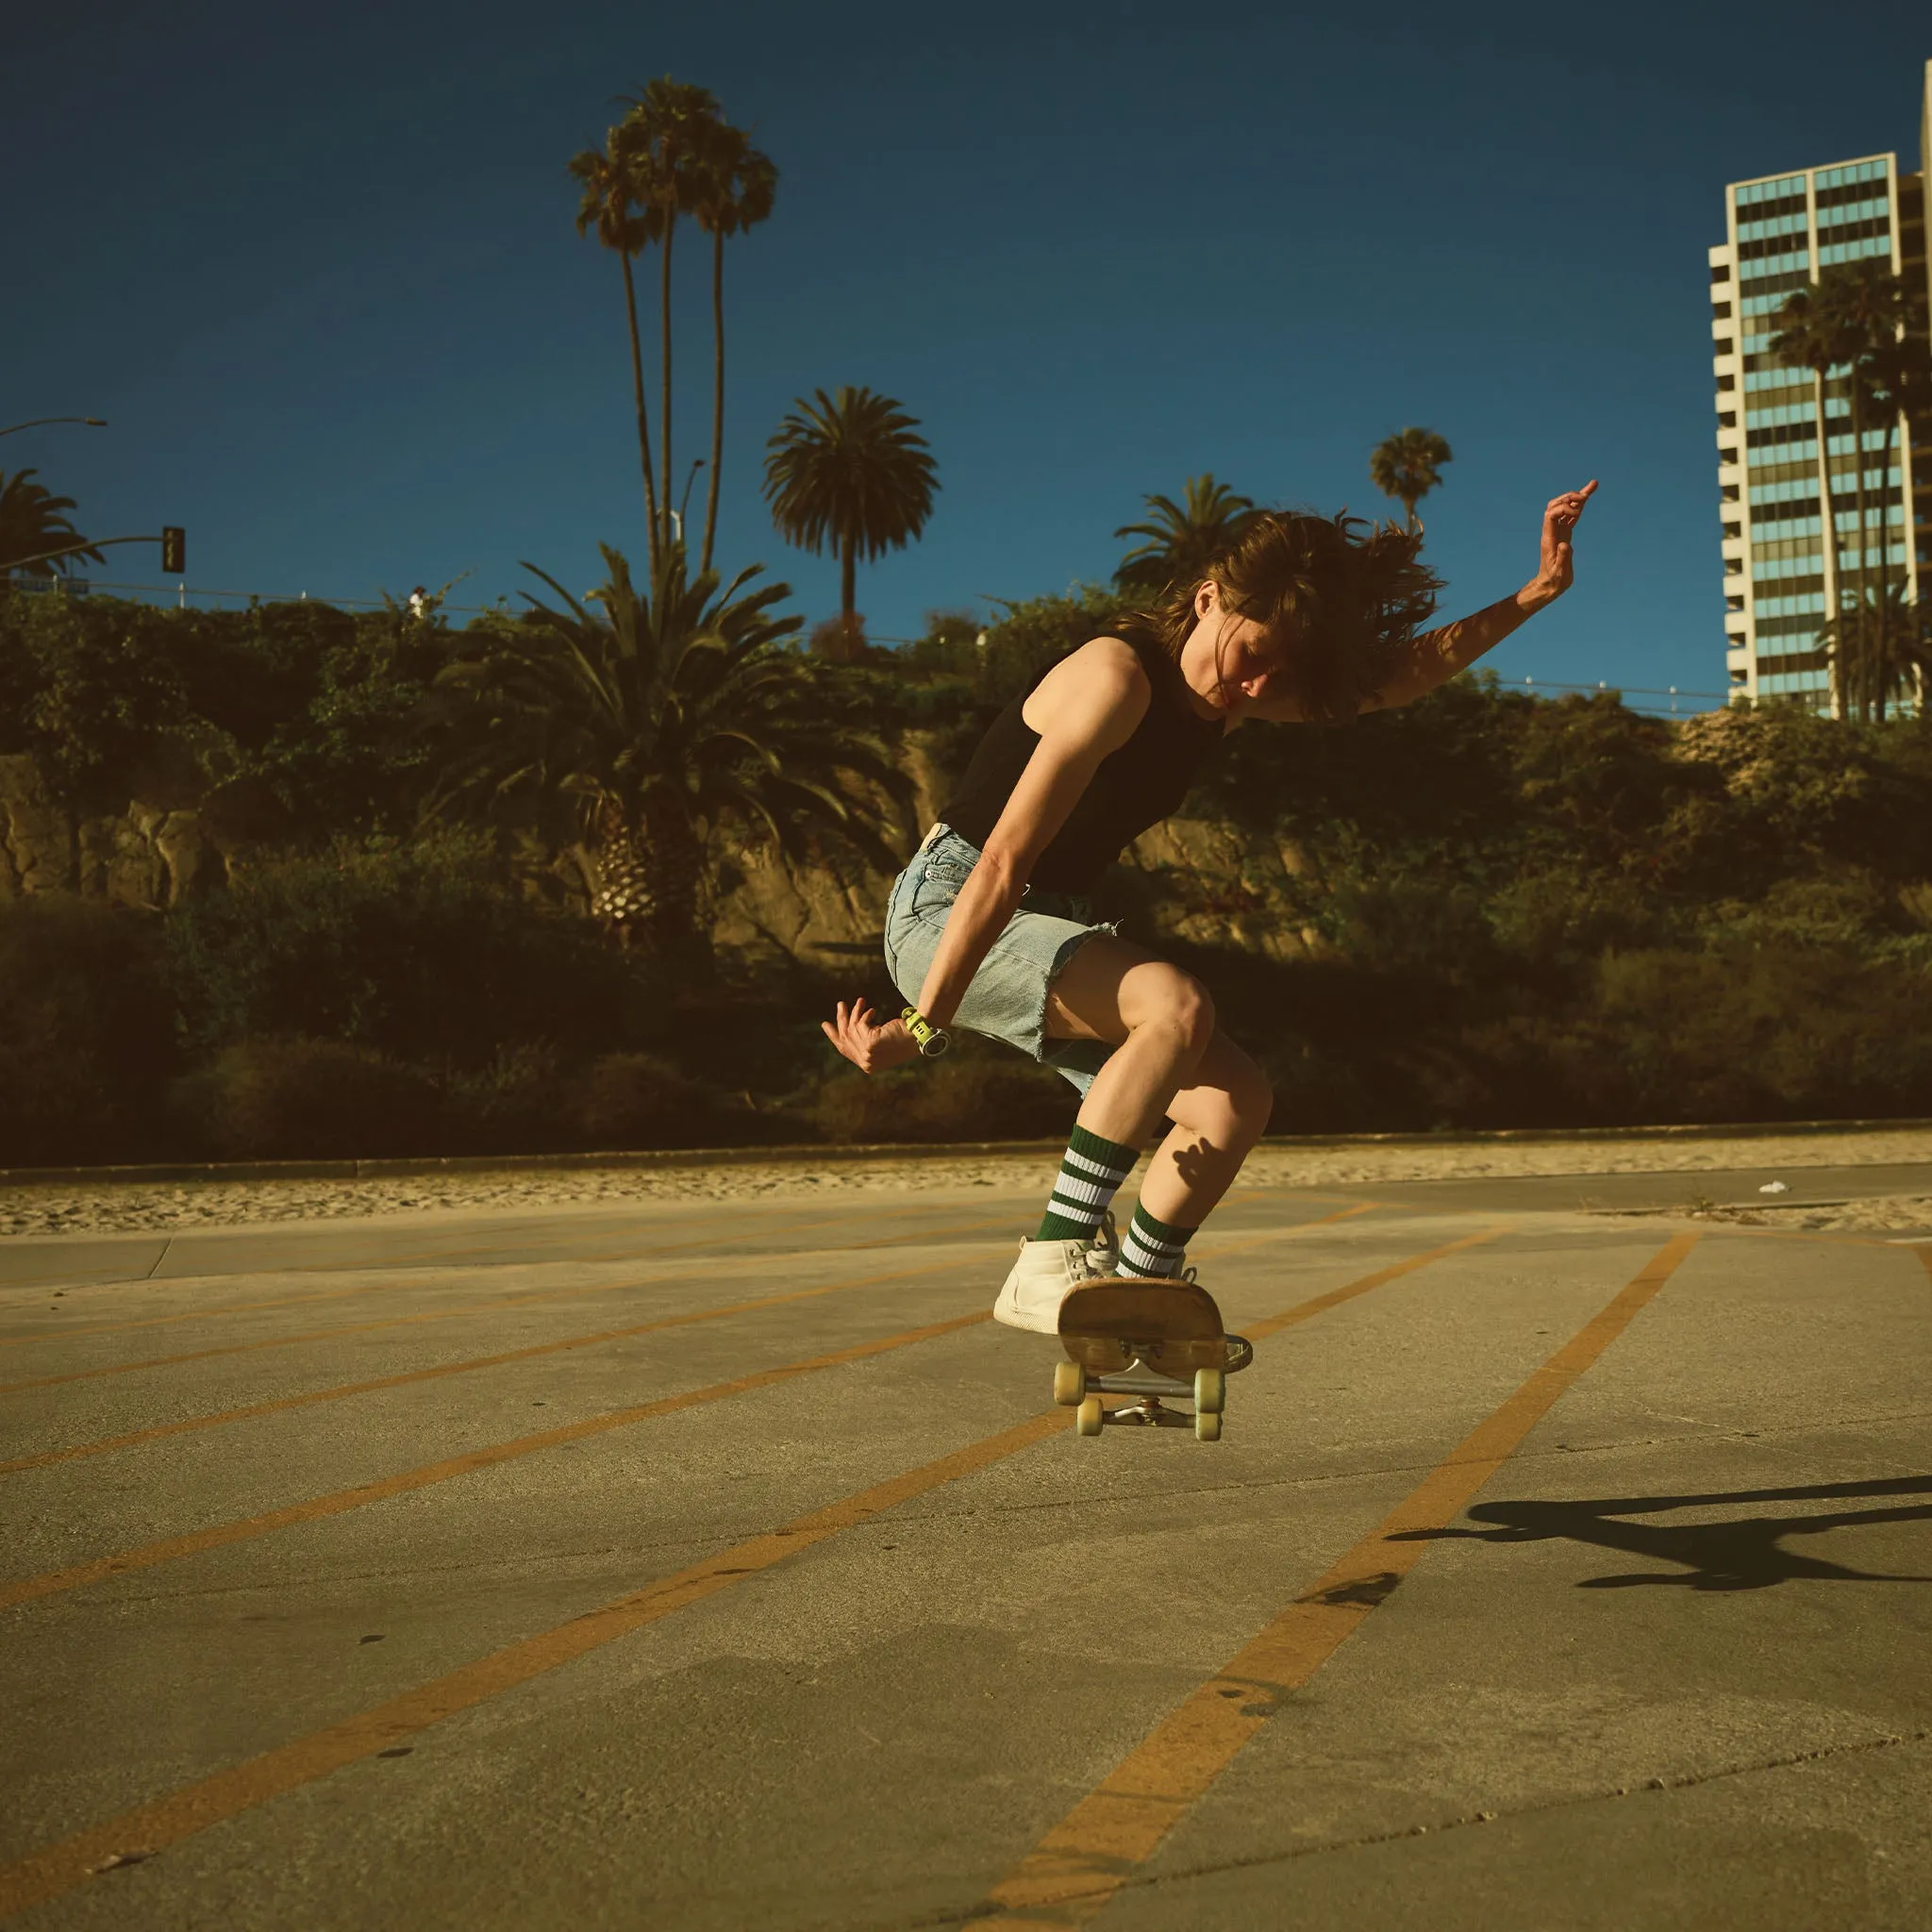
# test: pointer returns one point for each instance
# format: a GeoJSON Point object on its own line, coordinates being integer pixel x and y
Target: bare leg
{"type": "Point", "coordinates": [1217, 1121]}
{"type": "Point", "coordinates": [1158, 1019]}
{"type": "Point", "coordinates": [1168, 1060]}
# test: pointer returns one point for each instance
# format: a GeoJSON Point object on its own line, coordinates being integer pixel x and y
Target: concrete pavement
{"type": "Point", "coordinates": [718, 1567]}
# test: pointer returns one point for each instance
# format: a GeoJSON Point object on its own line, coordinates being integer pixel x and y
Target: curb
{"type": "Point", "coordinates": [807, 1153]}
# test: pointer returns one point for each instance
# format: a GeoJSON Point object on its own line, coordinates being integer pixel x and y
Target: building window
{"type": "Point", "coordinates": [1723, 345]}
{"type": "Point", "coordinates": [1721, 272]}
{"type": "Point", "coordinates": [1721, 312]}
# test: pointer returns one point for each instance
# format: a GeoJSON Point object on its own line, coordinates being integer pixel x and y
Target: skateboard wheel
{"type": "Point", "coordinates": [1086, 1418]}
{"type": "Point", "coordinates": [1211, 1391]}
{"type": "Point", "coordinates": [1069, 1383]}
{"type": "Point", "coordinates": [1207, 1424]}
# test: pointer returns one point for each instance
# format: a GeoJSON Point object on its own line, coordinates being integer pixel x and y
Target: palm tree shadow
{"type": "Point", "coordinates": [1744, 1554]}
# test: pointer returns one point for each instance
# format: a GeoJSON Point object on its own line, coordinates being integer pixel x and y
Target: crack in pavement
{"type": "Point", "coordinates": [1683, 1781]}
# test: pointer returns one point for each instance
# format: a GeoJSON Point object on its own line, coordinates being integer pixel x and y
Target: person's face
{"type": "Point", "coordinates": [1228, 662]}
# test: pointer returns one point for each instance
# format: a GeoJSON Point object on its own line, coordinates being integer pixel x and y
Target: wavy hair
{"type": "Point", "coordinates": [1338, 598]}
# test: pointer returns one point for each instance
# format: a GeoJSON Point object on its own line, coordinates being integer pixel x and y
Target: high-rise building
{"type": "Point", "coordinates": [1781, 492]}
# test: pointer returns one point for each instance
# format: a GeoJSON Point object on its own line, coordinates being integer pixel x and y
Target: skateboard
{"type": "Point", "coordinates": [1159, 1341]}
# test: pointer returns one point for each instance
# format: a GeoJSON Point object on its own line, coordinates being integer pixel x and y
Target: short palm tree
{"type": "Point", "coordinates": [1183, 538]}
{"type": "Point", "coordinates": [1880, 652]}
{"type": "Point", "coordinates": [31, 524]}
{"type": "Point", "coordinates": [627, 227]}
{"type": "Point", "coordinates": [652, 722]}
{"type": "Point", "coordinates": [733, 190]}
{"type": "Point", "coordinates": [1408, 466]}
{"type": "Point", "coordinates": [849, 471]}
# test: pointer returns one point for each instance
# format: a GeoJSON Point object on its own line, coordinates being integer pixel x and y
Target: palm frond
{"type": "Point", "coordinates": [655, 718]}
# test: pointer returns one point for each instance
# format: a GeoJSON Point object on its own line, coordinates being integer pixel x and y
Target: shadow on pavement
{"type": "Point", "coordinates": [1745, 1553]}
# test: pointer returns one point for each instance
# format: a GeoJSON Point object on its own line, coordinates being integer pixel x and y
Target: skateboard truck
{"type": "Point", "coordinates": [1159, 1343]}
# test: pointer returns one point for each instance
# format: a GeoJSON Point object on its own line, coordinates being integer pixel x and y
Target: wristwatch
{"type": "Point", "coordinates": [933, 1041]}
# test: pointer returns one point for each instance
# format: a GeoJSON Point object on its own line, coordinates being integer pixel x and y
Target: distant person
{"type": "Point", "coordinates": [419, 603]}
{"type": "Point", "coordinates": [1306, 620]}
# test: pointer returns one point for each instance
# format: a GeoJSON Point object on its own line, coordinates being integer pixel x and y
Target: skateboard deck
{"type": "Point", "coordinates": [1159, 1341]}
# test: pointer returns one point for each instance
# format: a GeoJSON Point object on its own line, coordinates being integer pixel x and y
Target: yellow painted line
{"type": "Point", "coordinates": [337, 1295]}
{"type": "Point", "coordinates": [45, 1874]}
{"type": "Point", "coordinates": [535, 1297]}
{"type": "Point", "coordinates": [1258, 1331]}
{"type": "Point", "coordinates": [340, 1502]}
{"type": "Point", "coordinates": [514, 1301]}
{"type": "Point", "coordinates": [193, 1425]}
{"type": "Point", "coordinates": [1100, 1844]}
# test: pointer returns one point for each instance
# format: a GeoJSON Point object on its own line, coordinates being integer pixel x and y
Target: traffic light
{"type": "Point", "coordinates": [174, 550]}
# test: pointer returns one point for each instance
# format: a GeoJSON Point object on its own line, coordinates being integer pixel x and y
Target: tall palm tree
{"type": "Point", "coordinates": [610, 205]}
{"type": "Point", "coordinates": [1408, 466]}
{"type": "Point", "coordinates": [733, 189]}
{"type": "Point", "coordinates": [663, 139]}
{"type": "Point", "coordinates": [1183, 538]}
{"type": "Point", "coordinates": [652, 722]}
{"type": "Point", "coordinates": [1900, 375]}
{"type": "Point", "coordinates": [1892, 374]}
{"type": "Point", "coordinates": [1881, 652]}
{"type": "Point", "coordinates": [31, 524]}
{"type": "Point", "coordinates": [1816, 336]}
{"type": "Point", "coordinates": [851, 471]}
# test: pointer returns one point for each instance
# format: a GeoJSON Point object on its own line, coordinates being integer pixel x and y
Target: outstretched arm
{"type": "Point", "coordinates": [1437, 656]}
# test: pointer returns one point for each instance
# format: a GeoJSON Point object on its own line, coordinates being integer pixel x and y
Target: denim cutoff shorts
{"type": "Point", "coordinates": [1006, 999]}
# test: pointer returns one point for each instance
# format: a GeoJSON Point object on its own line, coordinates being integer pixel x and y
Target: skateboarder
{"type": "Point", "coordinates": [1305, 619]}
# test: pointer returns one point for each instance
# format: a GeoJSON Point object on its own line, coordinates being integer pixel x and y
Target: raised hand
{"type": "Point", "coordinates": [1555, 565]}
{"type": "Point", "coordinates": [869, 1045]}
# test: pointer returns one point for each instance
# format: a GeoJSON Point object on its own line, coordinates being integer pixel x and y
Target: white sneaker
{"type": "Point", "coordinates": [1039, 1282]}
{"type": "Point", "coordinates": [1104, 1253]}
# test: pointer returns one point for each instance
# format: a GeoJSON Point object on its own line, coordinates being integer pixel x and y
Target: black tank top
{"type": "Point", "coordinates": [1134, 788]}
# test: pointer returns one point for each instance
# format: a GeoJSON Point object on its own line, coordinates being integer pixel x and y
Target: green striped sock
{"type": "Point", "coordinates": [1153, 1250]}
{"type": "Point", "coordinates": [1089, 1178]}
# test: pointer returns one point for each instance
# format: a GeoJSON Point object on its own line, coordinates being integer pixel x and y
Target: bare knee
{"type": "Point", "coordinates": [1179, 1003]}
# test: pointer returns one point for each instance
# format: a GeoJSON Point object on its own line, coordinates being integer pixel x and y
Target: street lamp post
{"type": "Point", "coordinates": [678, 514]}
{"type": "Point", "coordinates": [80, 549]}
{"type": "Point", "coordinates": [91, 422]}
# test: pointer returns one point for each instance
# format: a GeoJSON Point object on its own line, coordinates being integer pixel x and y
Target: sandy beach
{"type": "Point", "coordinates": [132, 1204]}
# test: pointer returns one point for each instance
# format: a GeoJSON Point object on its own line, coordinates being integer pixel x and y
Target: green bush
{"type": "Point", "coordinates": [297, 1099]}
{"type": "Point", "coordinates": [969, 1098]}
{"type": "Point", "coordinates": [512, 1104]}
{"type": "Point", "coordinates": [301, 705]}
{"type": "Point", "coordinates": [422, 951]}
{"type": "Point", "coordinates": [87, 1034]}
{"type": "Point", "coordinates": [629, 1100]}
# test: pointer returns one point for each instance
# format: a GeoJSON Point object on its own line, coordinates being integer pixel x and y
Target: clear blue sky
{"type": "Point", "coordinates": [319, 268]}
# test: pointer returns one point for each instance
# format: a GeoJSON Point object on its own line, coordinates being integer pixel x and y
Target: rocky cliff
{"type": "Point", "coordinates": [1199, 880]}
{"type": "Point", "coordinates": [152, 855]}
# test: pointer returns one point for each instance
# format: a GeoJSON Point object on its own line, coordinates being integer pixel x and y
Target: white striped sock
{"type": "Point", "coordinates": [1084, 1189]}
{"type": "Point", "coordinates": [1144, 1254]}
